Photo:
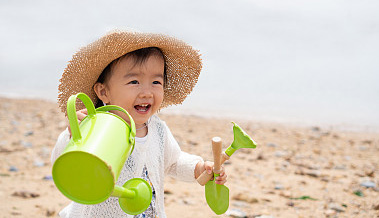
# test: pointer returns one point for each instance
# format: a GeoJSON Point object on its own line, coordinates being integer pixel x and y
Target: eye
{"type": "Point", "coordinates": [157, 82]}
{"type": "Point", "coordinates": [133, 82]}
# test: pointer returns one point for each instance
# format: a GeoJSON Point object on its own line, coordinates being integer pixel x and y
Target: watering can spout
{"type": "Point", "coordinates": [241, 140]}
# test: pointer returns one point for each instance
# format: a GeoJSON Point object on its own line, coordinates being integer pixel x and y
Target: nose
{"type": "Point", "coordinates": [146, 92]}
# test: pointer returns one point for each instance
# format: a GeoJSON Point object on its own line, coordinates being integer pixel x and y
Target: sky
{"type": "Point", "coordinates": [302, 61]}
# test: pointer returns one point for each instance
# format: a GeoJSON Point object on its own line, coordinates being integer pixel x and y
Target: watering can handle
{"type": "Point", "coordinates": [71, 113]}
{"type": "Point", "coordinates": [132, 124]}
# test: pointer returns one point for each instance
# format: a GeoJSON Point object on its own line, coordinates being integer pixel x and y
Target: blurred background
{"type": "Point", "coordinates": [311, 63]}
{"type": "Point", "coordinates": [304, 62]}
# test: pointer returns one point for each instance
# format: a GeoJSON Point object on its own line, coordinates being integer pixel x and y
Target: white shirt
{"type": "Point", "coordinates": [160, 154]}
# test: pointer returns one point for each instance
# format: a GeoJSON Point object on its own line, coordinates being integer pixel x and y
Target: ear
{"type": "Point", "coordinates": [101, 92]}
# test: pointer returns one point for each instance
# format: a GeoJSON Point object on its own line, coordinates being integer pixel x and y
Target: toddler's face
{"type": "Point", "coordinates": [138, 88]}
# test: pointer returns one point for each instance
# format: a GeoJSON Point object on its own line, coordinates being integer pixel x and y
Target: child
{"type": "Point", "coordinates": [141, 73]}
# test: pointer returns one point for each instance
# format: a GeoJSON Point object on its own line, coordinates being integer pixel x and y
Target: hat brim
{"type": "Point", "coordinates": [182, 61]}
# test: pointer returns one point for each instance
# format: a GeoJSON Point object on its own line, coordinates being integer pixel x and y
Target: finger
{"type": "Point", "coordinates": [222, 182]}
{"type": "Point", "coordinates": [221, 177]}
{"type": "Point", "coordinates": [208, 167]}
{"type": "Point", "coordinates": [208, 164]}
{"type": "Point", "coordinates": [222, 171]}
{"type": "Point", "coordinates": [80, 115]}
{"type": "Point", "coordinates": [84, 111]}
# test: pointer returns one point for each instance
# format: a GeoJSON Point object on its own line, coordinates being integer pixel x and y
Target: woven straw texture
{"type": "Point", "coordinates": [183, 65]}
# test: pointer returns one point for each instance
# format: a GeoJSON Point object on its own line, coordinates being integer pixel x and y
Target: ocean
{"type": "Point", "coordinates": [304, 62]}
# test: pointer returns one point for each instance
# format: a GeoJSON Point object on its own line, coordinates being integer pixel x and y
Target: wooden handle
{"type": "Point", "coordinates": [205, 177]}
{"type": "Point", "coordinates": [216, 150]}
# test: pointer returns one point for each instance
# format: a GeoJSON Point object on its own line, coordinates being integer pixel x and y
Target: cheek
{"type": "Point", "coordinates": [126, 95]}
{"type": "Point", "coordinates": [159, 95]}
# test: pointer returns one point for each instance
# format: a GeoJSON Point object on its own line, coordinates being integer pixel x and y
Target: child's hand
{"type": "Point", "coordinates": [81, 114]}
{"type": "Point", "coordinates": [208, 166]}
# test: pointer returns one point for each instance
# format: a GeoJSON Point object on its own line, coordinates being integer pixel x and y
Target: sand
{"type": "Point", "coordinates": [307, 171]}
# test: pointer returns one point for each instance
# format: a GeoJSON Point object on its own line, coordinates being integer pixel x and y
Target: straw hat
{"type": "Point", "coordinates": [183, 65]}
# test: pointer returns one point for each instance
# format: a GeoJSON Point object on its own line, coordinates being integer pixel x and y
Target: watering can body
{"type": "Point", "coordinates": [87, 170]}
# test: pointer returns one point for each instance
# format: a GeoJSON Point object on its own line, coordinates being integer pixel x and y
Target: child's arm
{"type": "Point", "coordinates": [184, 166]}
{"type": "Point", "coordinates": [177, 163]}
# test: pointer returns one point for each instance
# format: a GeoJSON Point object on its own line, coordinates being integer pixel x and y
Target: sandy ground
{"type": "Point", "coordinates": [294, 172]}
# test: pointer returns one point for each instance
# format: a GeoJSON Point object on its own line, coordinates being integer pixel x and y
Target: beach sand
{"type": "Point", "coordinates": [294, 172]}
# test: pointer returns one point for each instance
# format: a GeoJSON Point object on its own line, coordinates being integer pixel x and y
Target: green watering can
{"type": "Point", "coordinates": [87, 170]}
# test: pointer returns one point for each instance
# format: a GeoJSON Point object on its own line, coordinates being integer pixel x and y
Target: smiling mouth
{"type": "Point", "coordinates": [142, 107]}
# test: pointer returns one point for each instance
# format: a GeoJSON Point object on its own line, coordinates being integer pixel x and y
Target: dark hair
{"type": "Point", "coordinates": [139, 56]}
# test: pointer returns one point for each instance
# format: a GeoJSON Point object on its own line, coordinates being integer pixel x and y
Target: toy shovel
{"type": "Point", "coordinates": [241, 140]}
{"type": "Point", "coordinates": [217, 196]}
